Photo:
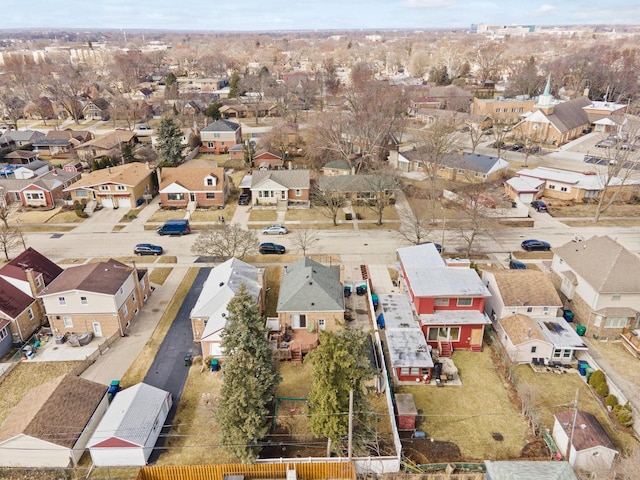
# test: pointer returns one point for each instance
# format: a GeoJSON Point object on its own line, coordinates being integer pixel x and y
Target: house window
{"type": "Point", "coordinates": [497, 110]}
{"type": "Point", "coordinates": [125, 310]}
{"type": "Point", "coordinates": [551, 187]}
{"type": "Point", "coordinates": [34, 196]}
{"type": "Point", "coordinates": [120, 188]}
{"type": "Point", "coordinates": [210, 181]}
{"type": "Point", "coordinates": [121, 291]}
{"type": "Point", "coordinates": [211, 144]}
{"type": "Point", "coordinates": [175, 196]}
{"type": "Point", "coordinates": [454, 334]}
{"type": "Point", "coordinates": [84, 300]}
{"type": "Point", "coordinates": [441, 302]}
{"type": "Point", "coordinates": [3, 333]}
{"type": "Point", "coordinates": [62, 301]}
{"type": "Point", "coordinates": [432, 335]}
{"type": "Point", "coordinates": [465, 302]}
{"type": "Point", "coordinates": [82, 194]}
{"type": "Point", "coordinates": [211, 195]}
{"type": "Point", "coordinates": [546, 310]}
{"type": "Point", "coordinates": [563, 189]}
{"type": "Point", "coordinates": [556, 353]}
{"type": "Point", "coordinates": [616, 296]}
{"type": "Point", "coordinates": [514, 309]}
{"type": "Point", "coordinates": [30, 313]}
{"type": "Point", "coordinates": [322, 324]}
{"type": "Point", "coordinates": [104, 188]}
{"type": "Point", "coordinates": [216, 135]}
{"type": "Point", "coordinates": [404, 371]}
{"type": "Point", "coordinates": [534, 349]}
{"type": "Point", "coordinates": [38, 281]}
{"type": "Point", "coordinates": [529, 309]}
{"type": "Point", "coordinates": [67, 322]}
{"type": "Point", "coordinates": [298, 192]}
{"type": "Point", "coordinates": [615, 322]}
{"type": "Point", "coordinates": [566, 354]}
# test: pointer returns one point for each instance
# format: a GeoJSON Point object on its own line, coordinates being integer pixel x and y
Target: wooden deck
{"type": "Point", "coordinates": [300, 343]}
{"type": "Point", "coordinates": [631, 341]}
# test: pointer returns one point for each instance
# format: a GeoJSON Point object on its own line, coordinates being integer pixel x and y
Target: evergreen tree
{"type": "Point", "coordinates": [213, 111]}
{"type": "Point", "coordinates": [340, 364]}
{"type": "Point", "coordinates": [249, 382]}
{"type": "Point", "coordinates": [169, 142]}
{"type": "Point", "coordinates": [234, 82]}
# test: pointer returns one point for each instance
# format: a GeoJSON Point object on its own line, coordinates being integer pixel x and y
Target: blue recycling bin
{"type": "Point", "coordinates": [568, 315]}
{"type": "Point", "coordinates": [214, 365]}
{"type": "Point", "coordinates": [380, 321]}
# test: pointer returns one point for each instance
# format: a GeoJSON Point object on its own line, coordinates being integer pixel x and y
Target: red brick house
{"type": "Point", "coordinates": [205, 186]}
{"type": "Point", "coordinates": [448, 298]}
{"type": "Point", "coordinates": [267, 160]}
{"type": "Point", "coordinates": [220, 136]}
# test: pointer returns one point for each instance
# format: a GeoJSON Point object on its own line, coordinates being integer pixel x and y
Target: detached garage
{"type": "Point", "coordinates": [130, 428]}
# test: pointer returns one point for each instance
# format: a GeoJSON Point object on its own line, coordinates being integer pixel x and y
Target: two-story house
{"type": "Point", "coordinates": [199, 186]}
{"type": "Point", "coordinates": [102, 298]}
{"type": "Point", "coordinates": [21, 280]}
{"type": "Point", "coordinates": [599, 280]}
{"type": "Point", "coordinates": [109, 144]}
{"type": "Point", "coordinates": [209, 316]}
{"type": "Point", "coordinates": [448, 297]}
{"type": "Point", "coordinates": [114, 187]}
{"type": "Point", "coordinates": [218, 137]}
{"type": "Point", "coordinates": [526, 312]}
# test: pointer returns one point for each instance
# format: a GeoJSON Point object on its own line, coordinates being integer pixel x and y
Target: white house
{"type": "Point", "coordinates": [599, 281]}
{"type": "Point", "coordinates": [129, 430]}
{"type": "Point", "coordinates": [591, 447]}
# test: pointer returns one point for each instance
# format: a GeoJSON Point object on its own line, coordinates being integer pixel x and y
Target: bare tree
{"type": "Point", "coordinates": [305, 238]}
{"type": "Point", "coordinates": [66, 85]}
{"type": "Point", "coordinates": [10, 238]}
{"type": "Point", "coordinates": [475, 133]}
{"type": "Point", "coordinates": [529, 395]}
{"type": "Point", "coordinates": [487, 58]}
{"type": "Point", "coordinates": [622, 159]}
{"type": "Point", "coordinates": [416, 226]}
{"type": "Point", "coordinates": [329, 201]}
{"type": "Point", "coordinates": [436, 143]}
{"type": "Point", "coordinates": [225, 241]}
{"type": "Point", "coordinates": [380, 188]}
{"type": "Point", "coordinates": [4, 215]}
{"type": "Point", "coordinates": [475, 222]}
{"type": "Point", "coordinates": [628, 465]}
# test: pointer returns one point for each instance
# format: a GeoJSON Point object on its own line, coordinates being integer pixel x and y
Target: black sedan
{"type": "Point", "coordinates": [271, 248]}
{"type": "Point", "coordinates": [147, 249]}
{"type": "Point", "coordinates": [517, 265]}
{"type": "Point", "coordinates": [532, 245]}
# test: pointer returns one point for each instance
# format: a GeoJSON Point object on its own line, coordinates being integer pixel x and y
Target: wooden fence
{"type": "Point", "coordinates": [305, 471]}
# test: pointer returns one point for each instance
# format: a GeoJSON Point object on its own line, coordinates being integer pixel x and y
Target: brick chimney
{"type": "Point", "coordinates": [31, 278]}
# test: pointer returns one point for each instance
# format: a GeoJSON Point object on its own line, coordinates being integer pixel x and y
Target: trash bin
{"type": "Point", "coordinates": [380, 321]}
{"type": "Point", "coordinates": [374, 299]}
{"type": "Point", "coordinates": [568, 315]}
{"type": "Point", "coordinates": [187, 360]}
{"type": "Point", "coordinates": [214, 365]}
{"type": "Point", "coordinates": [581, 330]}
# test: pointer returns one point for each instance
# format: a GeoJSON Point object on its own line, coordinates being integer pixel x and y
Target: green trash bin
{"type": "Point", "coordinates": [581, 330]}
{"type": "Point", "coordinates": [187, 360]}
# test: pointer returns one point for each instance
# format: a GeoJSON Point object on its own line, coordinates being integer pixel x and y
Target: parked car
{"type": "Point", "coordinates": [517, 265]}
{"type": "Point", "coordinates": [275, 230]}
{"type": "Point", "coordinates": [532, 245]}
{"type": "Point", "coordinates": [516, 147]}
{"type": "Point", "coordinates": [539, 206]}
{"type": "Point", "coordinates": [533, 149]}
{"type": "Point", "coordinates": [437, 245]}
{"type": "Point", "coordinates": [244, 199]}
{"type": "Point", "coordinates": [147, 249]}
{"type": "Point", "coordinates": [606, 144]}
{"type": "Point", "coordinates": [174, 227]}
{"type": "Point", "coordinates": [271, 248]}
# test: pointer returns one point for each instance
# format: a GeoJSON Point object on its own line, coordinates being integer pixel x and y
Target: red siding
{"type": "Point", "coordinates": [465, 335]}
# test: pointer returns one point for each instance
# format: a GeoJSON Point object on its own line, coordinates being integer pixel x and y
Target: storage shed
{"type": "Point", "coordinates": [406, 411]}
{"type": "Point", "coordinates": [130, 428]}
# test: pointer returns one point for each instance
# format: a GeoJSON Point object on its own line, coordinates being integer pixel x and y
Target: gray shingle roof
{"type": "Point", "coordinates": [569, 115]}
{"type": "Point", "coordinates": [605, 264]}
{"type": "Point", "coordinates": [286, 178]}
{"type": "Point", "coordinates": [221, 126]}
{"type": "Point", "coordinates": [308, 286]}
{"type": "Point", "coordinates": [356, 183]}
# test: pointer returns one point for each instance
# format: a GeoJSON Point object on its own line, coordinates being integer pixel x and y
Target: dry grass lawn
{"type": "Point", "coordinates": [131, 214]}
{"type": "Point", "coordinates": [274, 274]}
{"type": "Point", "coordinates": [26, 217]}
{"type": "Point", "coordinates": [313, 214]}
{"type": "Point", "coordinates": [24, 377]}
{"type": "Point", "coordinates": [144, 359]}
{"type": "Point", "coordinates": [386, 225]}
{"type": "Point", "coordinates": [620, 222]}
{"type": "Point", "coordinates": [468, 415]}
{"type": "Point", "coordinates": [557, 392]}
{"type": "Point", "coordinates": [624, 363]}
{"type": "Point", "coordinates": [260, 215]}
{"type": "Point", "coordinates": [589, 210]}
{"type": "Point", "coordinates": [159, 274]}
{"type": "Point", "coordinates": [65, 217]}
{"type": "Point", "coordinates": [162, 216]}
{"type": "Point", "coordinates": [366, 213]}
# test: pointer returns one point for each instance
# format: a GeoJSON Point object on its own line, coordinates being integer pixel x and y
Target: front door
{"type": "Point", "coordinates": [283, 195]}
{"type": "Point", "coordinates": [476, 336]}
{"type": "Point", "coordinates": [97, 329]}
{"type": "Point", "coordinates": [192, 197]}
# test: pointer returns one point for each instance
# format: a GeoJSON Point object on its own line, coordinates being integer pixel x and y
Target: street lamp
{"type": "Point", "coordinates": [444, 224]}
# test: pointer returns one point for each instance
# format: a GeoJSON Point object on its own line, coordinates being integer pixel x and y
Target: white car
{"type": "Point", "coordinates": [275, 230]}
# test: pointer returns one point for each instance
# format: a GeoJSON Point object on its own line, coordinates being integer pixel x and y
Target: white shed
{"type": "Point", "coordinates": [130, 428]}
{"type": "Point", "coordinates": [591, 447]}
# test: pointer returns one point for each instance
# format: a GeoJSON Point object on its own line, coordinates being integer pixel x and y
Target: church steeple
{"type": "Point", "coordinates": [545, 100]}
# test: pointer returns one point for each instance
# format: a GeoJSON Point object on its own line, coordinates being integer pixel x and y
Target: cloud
{"type": "Point", "coordinates": [429, 3]}
{"type": "Point", "coordinates": [545, 10]}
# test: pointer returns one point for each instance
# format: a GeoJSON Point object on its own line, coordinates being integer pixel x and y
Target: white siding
{"type": "Point", "coordinates": [27, 451]}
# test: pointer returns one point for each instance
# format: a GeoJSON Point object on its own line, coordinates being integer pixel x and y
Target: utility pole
{"type": "Point", "coordinates": [349, 448]}
{"type": "Point", "coordinates": [573, 426]}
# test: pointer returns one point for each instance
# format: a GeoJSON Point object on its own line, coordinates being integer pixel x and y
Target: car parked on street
{"type": "Point", "coordinates": [271, 248]}
{"type": "Point", "coordinates": [517, 265]}
{"type": "Point", "coordinates": [539, 206]}
{"type": "Point", "coordinates": [147, 249]}
{"type": "Point", "coordinates": [275, 230]}
{"type": "Point", "coordinates": [535, 245]}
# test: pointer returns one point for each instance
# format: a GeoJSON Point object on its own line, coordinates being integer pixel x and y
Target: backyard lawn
{"type": "Point", "coordinates": [480, 416]}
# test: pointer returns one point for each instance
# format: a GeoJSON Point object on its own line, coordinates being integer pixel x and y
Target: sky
{"type": "Point", "coordinates": [271, 15]}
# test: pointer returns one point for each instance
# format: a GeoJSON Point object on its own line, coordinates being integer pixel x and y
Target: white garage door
{"type": "Point", "coordinates": [124, 202]}
{"type": "Point", "coordinates": [107, 202]}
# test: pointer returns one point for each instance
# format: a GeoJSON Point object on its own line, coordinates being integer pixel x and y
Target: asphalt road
{"type": "Point", "coordinates": [168, 370]}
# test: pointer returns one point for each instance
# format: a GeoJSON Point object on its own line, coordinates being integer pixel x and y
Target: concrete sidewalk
{"type": "Point", "coordinates": [118, 358]}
